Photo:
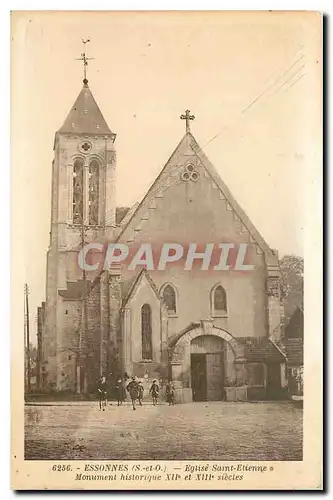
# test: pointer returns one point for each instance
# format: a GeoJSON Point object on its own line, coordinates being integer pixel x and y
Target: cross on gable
{"type": "Point", "coordinates": [187, 117]}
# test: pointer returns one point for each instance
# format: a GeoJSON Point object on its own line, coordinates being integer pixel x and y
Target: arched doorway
{"type": "Point", "coordinates": [207, 368]}
{"type": "Point", "coordinates": [201, 361]}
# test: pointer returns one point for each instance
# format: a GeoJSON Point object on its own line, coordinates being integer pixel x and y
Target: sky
{"type": "Point", "coordinates": [251, 80]}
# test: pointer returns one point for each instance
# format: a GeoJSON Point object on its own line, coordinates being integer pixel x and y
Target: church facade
{"type": "Point", "coordinates": [212, 328]}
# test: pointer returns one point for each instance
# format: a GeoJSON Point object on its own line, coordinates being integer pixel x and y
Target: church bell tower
{"type": "Point", "coordinates": [82, 211]}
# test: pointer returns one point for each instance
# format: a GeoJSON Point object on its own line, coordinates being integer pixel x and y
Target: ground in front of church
{"type": "Point", "coordinates": [194, 431]}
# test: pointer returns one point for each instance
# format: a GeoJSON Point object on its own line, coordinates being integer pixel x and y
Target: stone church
{"type": "Point", "coordinates": [215, 332]}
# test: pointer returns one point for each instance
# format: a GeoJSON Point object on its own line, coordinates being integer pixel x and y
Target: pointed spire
{"type": "Point", "coordinates": [85, 117]}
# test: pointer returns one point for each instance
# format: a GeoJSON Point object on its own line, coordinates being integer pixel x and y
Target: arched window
{"type": "Point", "coordinates": [146, 332]}
{"type": "Point", "coordinates": [219, 301]}
{"type": "Point", "coordinates": [93, 174]}
{"type": "Point", "coordinates": [78, 191]}
{"type": "Point", "coordinates": [169, 297]}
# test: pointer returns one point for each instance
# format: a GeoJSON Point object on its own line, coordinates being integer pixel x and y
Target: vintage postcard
{"type": "Point", "coordinates": [167, 232]}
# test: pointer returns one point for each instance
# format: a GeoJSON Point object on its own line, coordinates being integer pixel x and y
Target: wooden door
{"type": "Point", "coordinates": [214, 376]}
{"type": "Point", "coordinates": [198, 377]}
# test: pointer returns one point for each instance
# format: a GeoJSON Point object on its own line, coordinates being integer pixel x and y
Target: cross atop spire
{"type": "Point", "coordinates": [187, 116]}
{"type": "Point", "coordinates": [85, 60]}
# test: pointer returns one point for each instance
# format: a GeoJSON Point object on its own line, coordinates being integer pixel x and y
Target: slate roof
{"type": "Point", "coordinates": [258, 349]}
{"type": "Point", "coordinates": [85, 117]}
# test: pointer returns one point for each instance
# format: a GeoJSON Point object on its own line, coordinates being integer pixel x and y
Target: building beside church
{"type": "Point", "coordinates": [215, 332]}
{"type": "Point", "coordinates": [291, 344]}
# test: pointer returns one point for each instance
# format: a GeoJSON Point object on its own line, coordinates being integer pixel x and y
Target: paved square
{"type": "Point", "coordinates": [195, 431]}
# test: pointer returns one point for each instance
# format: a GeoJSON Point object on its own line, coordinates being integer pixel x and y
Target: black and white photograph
{"type": "Point", "coordinates": [165, 164]}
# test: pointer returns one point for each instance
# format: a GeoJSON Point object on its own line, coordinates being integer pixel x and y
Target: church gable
{"type": "Point", "coordinates": [144, 321]}
{"type": "Point", "coordinates": [142, 280]}
{"type": "Point", "coordinates": [189, 178]}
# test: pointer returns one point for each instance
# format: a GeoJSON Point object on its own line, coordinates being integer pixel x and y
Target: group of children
{"type": "Point", "coordinates": [136, 390]}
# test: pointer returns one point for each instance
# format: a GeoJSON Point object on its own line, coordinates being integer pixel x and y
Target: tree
{"type": "Point", "coordinates": [292, 284]}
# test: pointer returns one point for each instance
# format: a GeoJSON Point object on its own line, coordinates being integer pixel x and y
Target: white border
{"type": "Point", "coordinates": [5, 7]}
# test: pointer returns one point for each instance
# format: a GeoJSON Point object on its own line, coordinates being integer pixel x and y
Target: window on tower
{"type": "Point", "coordinates": [78, 191]}
{"type": "Point", "coordinates": [93, 192]}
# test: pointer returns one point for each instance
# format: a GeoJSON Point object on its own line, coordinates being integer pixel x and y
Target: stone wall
{"type": "Point", "coordinates": [114, 362]}
{"type": "Point", "coordinates": [69, 328]}
{"type": "Point", "coordinates": [93, 338]}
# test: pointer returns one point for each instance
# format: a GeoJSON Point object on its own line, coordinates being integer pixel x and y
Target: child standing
{"type": "Point", "coordinates": [170, 393]}
{"type": "Point", "coordinates": [120, 392]}
{"type": "Point", "coordinates": [141, 391]}
{"type": "Point", "coordinates": [133, 389]}
{"type": "Point", "coordinates": [154, 390]}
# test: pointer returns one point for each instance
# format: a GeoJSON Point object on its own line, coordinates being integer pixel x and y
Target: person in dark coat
{"type": "Point", "coordinates": [121, 394]}
{"type": "Point", "coordinates": [102, 393]}
{"type": "Point", "coordinates": [133, 389]}
{"type": "Point", "coordinates": [154, 391]}
{"type": "Point", "coordinates": [170, 393]}
{"type": "Point", "coordinates": [141, 391]}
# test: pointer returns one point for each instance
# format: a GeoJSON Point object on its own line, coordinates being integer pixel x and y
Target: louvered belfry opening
{"type": "Point", "coordinates": [78, 168]}
{"type": "Point", "coordinates": [93, 192]}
